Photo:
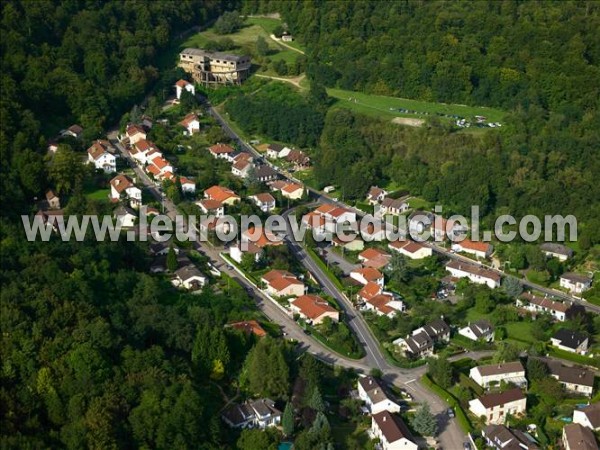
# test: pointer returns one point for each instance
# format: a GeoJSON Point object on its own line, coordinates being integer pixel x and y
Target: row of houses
{"type": "Point", "coordinates": [386, 425]}
{"type": "Point", "coordinates": [297, 158]}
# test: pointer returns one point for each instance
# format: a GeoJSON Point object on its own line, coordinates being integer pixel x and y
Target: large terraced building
{"type": "Point", "coordinates": [211, 68]}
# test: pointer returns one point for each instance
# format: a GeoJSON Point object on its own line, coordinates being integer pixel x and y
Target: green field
{"type": "Point", "coordinates": [269, 24]}
{"type": "Point", "coordinates": [379, 106]}
{"type": "Point", "coordinates": [99, 194]}
{"type": "Point", "coordinates": [245, 40]}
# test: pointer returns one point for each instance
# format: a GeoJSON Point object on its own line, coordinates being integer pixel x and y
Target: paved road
{"type": "Point", "coordinates": [317, 195]}
{"type": "Point", "coordinates": [450, 434]}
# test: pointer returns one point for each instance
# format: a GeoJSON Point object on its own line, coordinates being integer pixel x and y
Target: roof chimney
{"type": "Point", "coordinates": [384, 417]}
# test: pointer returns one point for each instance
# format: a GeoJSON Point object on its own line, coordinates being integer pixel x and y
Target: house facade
{"type": "Point", "coordinates": [392, 432]}
{"type": "Point", "coordinates": [575, 283]}
{"type": "Point", "coordinates": [260, 413]}
{"type": "Point", "coordinates": [480, 330]}
{"type": "Point", "coordinates": [475, 274]}
{"type": "Point", "coordinates": [493, 374]}
{"type": "Point", "coordinates": [495, 407]}
{"type": "Point", "coordinates": [371, 391]}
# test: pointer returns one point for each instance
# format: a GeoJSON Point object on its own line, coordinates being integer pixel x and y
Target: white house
{"type": "Point", "coordinates": [577, 437]}
{"type": "Point", "coordinates": [190, 278]}
{"type": "Point", "coordinates": [281, 283]}
{"type": "Point", "coordinates": [123, 185]}
{"type": "Point", "coordinates": [260, 414]}
{"type": "Point", "coordinates": [211, 207]}
{"type": "Point", "coordinates": [479, 249]}
{"type": "Point", "coordinates": [570, 341]}
{"type": "Point", "coordinates": [187, 185]}
{"type": "Point", "coordinates": [191, 124]}
{"type": "Point", "coordinates": [500, 437]}
{"type": "Point", "coordinates": [184, 85]}
{"type": "Point", "coordinates": [101, 157]}
{"type": "Point", "coordinates": [493, 374]}
{"type": "Point", "coordinates": [242, 164]}
{"type": "Point", "coordinates": [392, 432]}
{"type": "Point", "coordinates": [372, 393]}
{"type": "Point", "coordinates": [135, 133]}
{"type": "Point", "coordinates": [125, 216]}
{"type": "Point", "coordinates": [588, 416]}
{"type": "Point", "coordinates": [543, 305]}
{"type": "Point", "coordinates": [265, 201]}
{"type": "Point", "coordinates": [411, 249]}
{"type": "Point", "coordinates": [575, 380]}
{"type": "Point", "coordinates": [313, 309]}
{"type": "Point", "coordinates": [393, 206]}
{"type": "Point", "coordinates": [275, 151]}
{"type": "Point", "coordinates": [75, 131]}
{"type": "Point", "coordinates": [376, 195]}
{"type": "Point", "coordinates": [480, 330]}
{"type": "Point", "coordinates": [366, 275]}
{"type": "Point", "coordinates": [495, 407]}
{"type": "Point", "coordinates": [475, 274]}
{"type": "Point", "coordinates": [559, 251]}
{"type": "Point", "coordinates": [575, 282]}
{"type": "Point", "coordinates": [221, 151]}
{"type": "Point", "coordinates": [384, 304]}
{"type": "Point", "coordinates": [293, 191]}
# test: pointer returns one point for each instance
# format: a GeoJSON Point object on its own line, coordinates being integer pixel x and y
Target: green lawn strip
{"type": "Point", "coordinates": [324, 268]}
{"type": "Point", "coordinates": [580, 359]}
{"type": "Point", "coordinates": [99, 194]}
{"type": "Point", "coordinates": [269, 24]}
{"type": "Point", "coordinates": [461, 417]}
{"type": "Point", "coordinates": [380, 105]}
{"type": "Point", "coordinates": [336, 348]}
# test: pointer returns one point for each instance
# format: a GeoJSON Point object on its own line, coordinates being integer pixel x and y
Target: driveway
{"type": "Point", "coordinates": [335, 259]}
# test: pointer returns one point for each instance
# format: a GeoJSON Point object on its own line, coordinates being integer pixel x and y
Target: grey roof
{"type": "Point", "coordinates": [437, 329]}
{"type": "Point", "coordinates": [123, 210]}
{"type": "Point", "coordinates": [392, 426]}
{"type": "Point", "coordinates": [213, 55]}
{"type": "Point", "coordinates": [556, 248]}
{"type": "Point", "coordinates": [579, 437]}
{"type": "Point", "coordinates": [264, 172]}
{"type": "Point", "coordinates": [475, 270]}
{"type": "Point", "coordinates": [373, 388]}
{"type": "Point", "coordinates": [419, 342]}
{"type": "Point", "coordinates": [264, 407]}
{"type": "Point", "coordinates": [498, 369]}
{"type": "Point", "coordinates": [576, 277]}
{"type": "Point", "coordinates": [592, 412]}
{"type": "Point", "coordinates": [504, 438]}
{"type": "Point", "coordinates": [481, 327]}
{"type": "Point", "coordinates": [276, 147]}
{"type": "Point", "coordinates": [571, 375]}
{"type": "Point", "coordinates": [569, 338]}
{"type": "Point", "coordinates": [502, 398]}
{"type": "Point", "coordinates": [188, 272]}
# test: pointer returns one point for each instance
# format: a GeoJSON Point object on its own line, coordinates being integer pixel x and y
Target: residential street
{"type": "Point", "coordinates": [451, 436]}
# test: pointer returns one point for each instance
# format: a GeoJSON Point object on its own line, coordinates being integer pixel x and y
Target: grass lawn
{"type": "Point", "coordinates": [379, 106]}
{"type": "Point", "coordinates": [245, 40]}
{"type": "Point", "coordinates": [99, 194]}
{"type": "Point", "coordinates": [269, 24]}
{"type": "Point", "coordinates": [419, 203]}
{"type": "Point", "coordinates": [520, 331]}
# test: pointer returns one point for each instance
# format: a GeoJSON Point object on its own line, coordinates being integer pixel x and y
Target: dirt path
{"type": "Point", "coordinates": [295, 81]}
{"type": "Point", "coordinates": [280, 42]}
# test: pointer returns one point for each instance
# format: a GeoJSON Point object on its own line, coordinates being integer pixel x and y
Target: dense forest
{"type": "Point", "coordinates": [540, 62]}
{"type": "Point", "coordinates": [279, 112]}
{"type": "Point", "coordinates": [84, 62]}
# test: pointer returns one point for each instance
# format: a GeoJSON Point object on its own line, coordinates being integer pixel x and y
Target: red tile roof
{"type": "Point", "coordinates": [121, 182]}
{"type": "Point", "coordinates": [182, 83]}
{"type": "Point", "coordinates": [249, 326]}
{"type": "Point", "coordinates": [312, 306]}
{"type": "Point", "coordinates": [369, 273]}
{"type": "Point", "coordinates": [265, 198]}
{"type": "Point", "coordinates": [132, 130]}
{"type": "Point", "coordinates": [369, 291]}
{"type": "Point", "coordinates": [265, 238]}
{"type": "Point", "coordinates": [281, 279]}
{"type": "Point", "coordinates": [220, 193]}
{"type": "Point", "coordinates": [187, 120]}
{"type": "Point", "coordinates": [476, 246]}
{"type": "Point", "coordinates": [220, 148]}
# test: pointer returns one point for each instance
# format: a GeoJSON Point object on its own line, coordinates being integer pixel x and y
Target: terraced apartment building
{"type": "Point", "coordinates": [210, 68]}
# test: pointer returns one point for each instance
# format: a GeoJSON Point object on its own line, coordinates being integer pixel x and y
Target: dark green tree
{"type": "Point", "coordinates": [424, 422]}
{"type": "Point", "coordinates": [287, 421]}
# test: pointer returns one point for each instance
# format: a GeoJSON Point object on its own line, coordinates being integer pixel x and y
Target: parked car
{"type": "Point", "coordinates": [450, 412]}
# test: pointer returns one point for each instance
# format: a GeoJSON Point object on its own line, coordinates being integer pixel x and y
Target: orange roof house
{"type": "Point", "coordinates": [314, 308]}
